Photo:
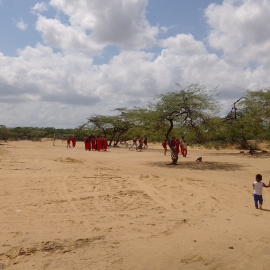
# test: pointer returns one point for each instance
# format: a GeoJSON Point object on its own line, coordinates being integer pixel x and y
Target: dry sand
{"type": "Point", "coordinates": [71, 209]}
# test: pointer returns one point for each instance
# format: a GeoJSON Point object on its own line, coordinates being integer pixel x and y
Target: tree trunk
{"type": "Point", "coordinates": [174, 155]}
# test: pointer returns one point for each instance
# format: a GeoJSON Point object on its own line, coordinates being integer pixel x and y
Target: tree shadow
{"type": "Point", "coordinates": [201, 166]}
{"type": "Point", "coordinates": [246, 154]}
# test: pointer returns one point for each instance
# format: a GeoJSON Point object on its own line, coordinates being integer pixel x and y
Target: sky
{"type": "Point", "coordinates": [62, 61]}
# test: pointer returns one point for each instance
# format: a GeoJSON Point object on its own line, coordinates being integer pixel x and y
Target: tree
{"type": "Point", "coordinates": [4, 132]}
{"type": "Point", "coordinates": [110, 126]}
{"type": "Point", "coordinates": [191, 107]}
{"type": "Point", "coordinates": [249, 119]}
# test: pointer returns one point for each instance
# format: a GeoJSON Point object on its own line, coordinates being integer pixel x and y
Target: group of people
{"type": "Point", "coordinates": [95, 143]}
{"type": "Point", "coordinates": [177, 145]}
{"type": "Point", "coordinates": [71, 140]}
{"type": "Point", "coordinates": [139, 143]}
{"type": "Point", "coordinates": [100, 143]}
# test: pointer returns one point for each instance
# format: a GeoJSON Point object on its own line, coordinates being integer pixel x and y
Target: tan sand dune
{"type": "Point", "coordinates": [121, 209]}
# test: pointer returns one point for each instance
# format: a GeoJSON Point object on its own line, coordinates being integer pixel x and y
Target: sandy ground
{"type": "Point", "coordinates": [121, 209]}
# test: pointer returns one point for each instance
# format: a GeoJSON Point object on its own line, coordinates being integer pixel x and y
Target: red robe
{"type": "Point", "coordinates": [93, 142]}
{"type": "Point", "coordinates": [177, 147]}
{"type": "Point", "coordinates": [164, 144]}
{"type": "Point", "coordinates": [87, 144]}
{"type": "Point", "coordinates": [73, 141]}
{"type": "Point", "coordinates": [99, 144]}
{"type": "Point", "coordinates": [105, 144]}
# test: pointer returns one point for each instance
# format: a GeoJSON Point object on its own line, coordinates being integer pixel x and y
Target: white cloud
{"type": "Point", "coordinates": [236, 25]}
{"type": "Point", "coordinates": [116, 22]}
{"type": "Point", "coordinates": [64, 86]}
{"type": "Point", "coordinates": [39, 7]}
{"type": "Point", "coordinates": [66, 37]}
{"type": "Point", "coordinates": [21, 25]}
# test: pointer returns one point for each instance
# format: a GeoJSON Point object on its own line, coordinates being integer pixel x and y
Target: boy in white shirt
{"type": "Point", "coordinates": [257, 187]}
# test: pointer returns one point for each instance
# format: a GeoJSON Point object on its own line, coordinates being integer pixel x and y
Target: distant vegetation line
{"type": "Point", "coordinates": [192, 112]}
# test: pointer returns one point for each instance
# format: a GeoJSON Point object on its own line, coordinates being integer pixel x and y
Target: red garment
{"type": "Point", "coordinates": [73, 141]}
{"type": "Point", "coordinates": [99, 144]}
{"type": "Point", "coordinates": [184, 152]}
{"type": "Point", "coordinates": [93, 142]}
{"type": "Point", "coordinates": [87, 144]}
{"type": "Point", "coordinates": [177, 147]}
{"type": "Point", "coordinates": [105, 144]}
{"type": "Point", "coordinates": [164, 144]}
{"type": "Point", "coordinates": [183, 147]}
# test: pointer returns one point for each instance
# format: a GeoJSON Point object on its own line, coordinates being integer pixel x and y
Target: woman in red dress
{"type": "Point", "coordinates": [164, 144]}
{"type": "Point", "coordinates": [73, 141]}
{"type": "Point", "coordinates": [68, 142]}
{"type": "Point", "coordinates": [93, 142]}
{"type": "Point", "coordinates": [99, 143]}
{"type": "Point", "coordinates": [177, 146]}
{"type": "Point", "coordinates": [105, 144]}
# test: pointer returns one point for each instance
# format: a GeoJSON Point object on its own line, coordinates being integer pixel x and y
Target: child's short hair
{"type": "Point", "coordinates": [258, 177]}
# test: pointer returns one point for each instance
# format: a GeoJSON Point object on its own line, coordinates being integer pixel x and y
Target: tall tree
{"type": "Point", "coordinates": [249, 119]}
{"type": "Point", "coordinates": [192, 107]}
{"type": "Point", "coordinates": [111, 127]}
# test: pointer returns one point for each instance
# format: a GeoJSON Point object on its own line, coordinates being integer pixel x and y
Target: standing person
{"type": "Point", "coordinates": [73, 141]}
{"type": "Point", "coordinates": [88, 144]}
{"type": "Point", "coordinates": [164, 145]}
{"type": "Point", "coordinates": [105, 144]}
{"type": "Point", "coordinates": [183, 144]}
{"type": "Point", "coordinates": [93, 142]}
{"type": "Point", "coordinates": [177, 146]}
{"type": "Point", "coordinates": [140, 144]}
{"type": "Point", "coordinates": [68, 142]}
{"type": "Point", "coordinates": [145, 142]}
{"type": "Point", "coordinates": [99, 143]}
{"type": "Point", "coordinates": [257, 191]}
{"type": "Point", "coordinates": [134, 143]}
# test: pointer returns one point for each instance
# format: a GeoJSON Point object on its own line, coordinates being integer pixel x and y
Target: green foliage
{"type": "Point", "coordinates": [249, 119]}
{"type": "Point", "coordinates": [4, 132]}
{"type": "Point", "coordinates": [190, 112]}
{"type": "Point", "coordinates": [192, 108]}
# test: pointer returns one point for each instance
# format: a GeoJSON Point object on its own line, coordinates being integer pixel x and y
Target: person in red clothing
{"type": "Point", "coordinates": [73, 141]}
{"type": "Point", "coordinates": [94, 143]}
{"type": "Point", "coordinates": [88, 144]}
{"type": "Point", "coordinates": [99, 143]}
{"type": "Point", "coordinates": [140, 144]}
{"type": "Point", "coordinates": [183, 144]}
{"type": "Point", "coordinates": [177, 146]}
{"type": "Point", "coordinates": [164, 145]}
{"type": "Point", "coordinates": [145, 142]}
{"type": "Point", "coordinates": [68, 142]}
{"type": "Point", "coordinates": [105, 144]}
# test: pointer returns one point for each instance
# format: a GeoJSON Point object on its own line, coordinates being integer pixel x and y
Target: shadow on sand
{"type": "Point", "coordinates": [202, 166]}
{"type": "Point", "coordinates": [266, 210]}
